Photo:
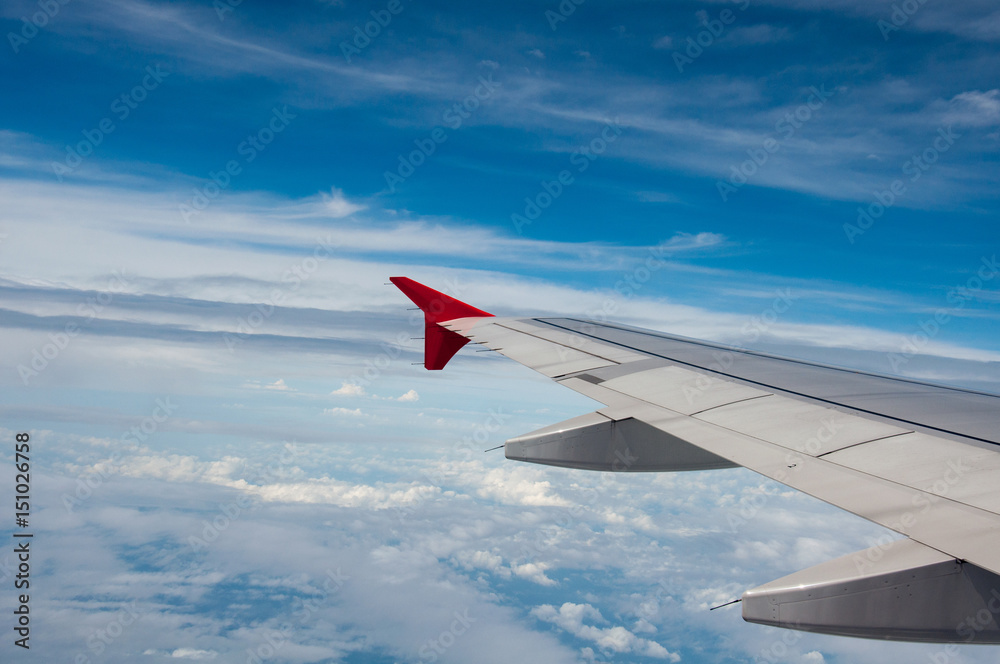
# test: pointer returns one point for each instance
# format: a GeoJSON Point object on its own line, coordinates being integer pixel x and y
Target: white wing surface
{"type": "Point", "coordinates": [920, 459]}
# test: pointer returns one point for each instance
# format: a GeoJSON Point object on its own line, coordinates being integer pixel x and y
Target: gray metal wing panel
{"type": "Point", "coordinates": [579, 342]}
{"type": "Point", "coordinates": [956, 411]}
{"type": "Point", "coordinates": [682, 390]}
{"type": "Point", "coordinates": [945, 468]}
{"type": "Point", "coordinates": [799, 425]}
{"type": "Point", "coordinates": [959, 529]}
{"type": "Point", "coordinates": [547, 357]}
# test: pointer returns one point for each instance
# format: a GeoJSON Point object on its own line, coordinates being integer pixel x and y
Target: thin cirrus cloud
{"type": "Point", "coordinates": [522, 93]}
{"type": "Point", "coordinates": [169, 297]}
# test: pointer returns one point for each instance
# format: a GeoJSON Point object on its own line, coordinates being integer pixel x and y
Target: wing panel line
{"type": "Point", "coordinates": [723, 405]}
{"type": "Point", "coordinates": [865, 442]}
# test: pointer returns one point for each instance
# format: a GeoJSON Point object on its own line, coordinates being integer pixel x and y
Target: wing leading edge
{"type": "Point", "coordinates": [920, 459]}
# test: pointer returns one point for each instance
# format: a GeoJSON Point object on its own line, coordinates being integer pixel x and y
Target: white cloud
{"type": "Point", "coordinates": [279, 385]}
{"type": "Point", "coordinates": [518, 486]}
{"type": "Point", "coordinates": [664, 42]}
{"type": "Point", "coordinates": [975, 108]}
{"type": "Point", "coordinates": [175, 468]}
{"type": "Point", "coordinates": [193, 653]}
{"type": "Point", "coordinates": [350, 390]}
{"type": "Point", "coordinates": [336, 205]}
{"type": "Point", "coordinates": [572, 618]}
{"type": "Point", "coordinates": [249, 562]}
{"type": "Point", "coordinates": [483, 560]}
{"type": "Point", "coordinates": [272, 483]}
{"type": "Point", "coordinates": [346, 494]}
{"type": "Point", "coordinates": [534, 572]}
{"type": "Point", "coordinates": [348, 412]}
{"type": "Point", "coordinates": [157, 268]}
{"type": "Point", "coordinates": [416, 553]}
{"type": "Point", "coordinates": [411, 395]}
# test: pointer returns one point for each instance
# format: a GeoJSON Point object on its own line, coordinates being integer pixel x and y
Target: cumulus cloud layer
{"type": "Point", "coordinates": [307, 557]}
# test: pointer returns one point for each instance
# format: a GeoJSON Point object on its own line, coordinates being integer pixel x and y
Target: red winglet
{"type": "Point", "coordinates": [440, 343]}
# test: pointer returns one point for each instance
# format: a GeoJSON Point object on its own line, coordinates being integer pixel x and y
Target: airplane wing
{"type": "Point", "coordinates": [920, 459]}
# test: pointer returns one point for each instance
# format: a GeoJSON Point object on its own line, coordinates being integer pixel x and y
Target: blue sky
{"type": "Point", "coordinates": [201, 204]}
